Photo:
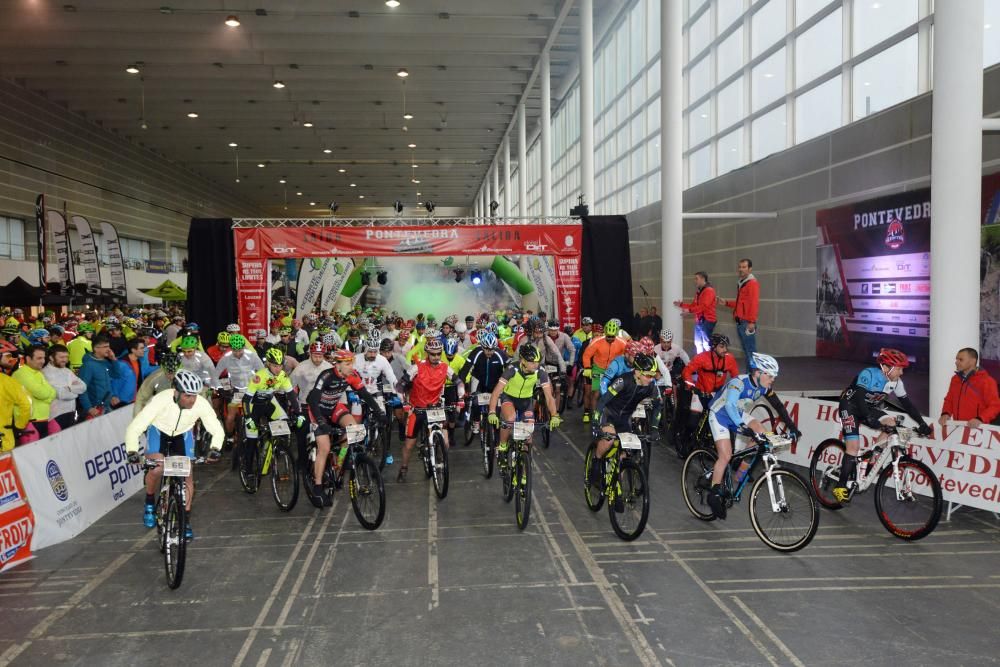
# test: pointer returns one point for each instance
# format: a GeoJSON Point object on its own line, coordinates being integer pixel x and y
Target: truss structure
{"type": "Point", "coordinates": [244, 223]}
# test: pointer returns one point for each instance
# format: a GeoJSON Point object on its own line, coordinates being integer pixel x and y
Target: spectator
{"type": "Point", "coordinates": [972, 395]}
{"type": "Point", "coordinates": [67, 385]}
{"type": "Point", "coordinates": [116, 338]}
{"type": "Point", "coordinates": [655, 322]}
{"type": "Point", "coordinates": [15, 405]}
{"type": "Point", "coordinates": [81, 345]}
{"type": "Point", "coordinates": [702, 306]}
{"type": "Point", "coordinates": [745, 308]}
{"type": "Point", "coordinates": [134, 368]}
{"type": "Point", "coordinates": [97, 372]}
{"type": "Point", "coordinates": [42, 393]}
{"type": "Point", "coordinates": [174, 328]}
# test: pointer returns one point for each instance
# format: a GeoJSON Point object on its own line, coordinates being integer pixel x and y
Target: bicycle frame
{"type": "Point", "coordinates": [757, 453]}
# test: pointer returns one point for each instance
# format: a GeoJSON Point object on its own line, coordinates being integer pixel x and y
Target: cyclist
{"type": "Point", "coordinates": [863, 402]}
{"type": "Point", "coordinates": [260, 401]}
{"type": "Point", "coordinates": [668, 352]}
{"type": "Point", "coordinates": [426, 380]}
{"type": "Point", "coordinates": [354, 343]}
{"type": "Point", "coordinates": [515, 393]}
{"type": "Point", "coordinates": [596, 357]}
{"type": "Point", "coordinates": [712, 368]}
{"type": "Point", "coordinates": [482, 371]}
{"type": "Point", "coordinates": [82, 344]}
{"type": "Point", "coordinates": [372, 366]}
{"type": "Point", "coordinates": [329, 412]}
{"type": "Point", "coordinates": [729, 412]}
{"type": "Point", "coordinates": [625, 364]}
{"type": "Point", "coordinates": [456, 361]}
{"type": "Point", "coordinates": [239, 365]}
{"type": "Point", "coordinates": [197, 362]}
{"type": "Point", "coordinates": [159, 380]}
{"type": "Point", "coordinates": [221, 347]}
{"type": "Point", "coordinates": [168, 421]}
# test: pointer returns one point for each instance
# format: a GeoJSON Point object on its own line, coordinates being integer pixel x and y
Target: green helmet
{"type": "Point", "coordinates": [188, 343]}
{"type": "Point", "coordinates": [274, 356]}
{"type": "Point", "coordinates": [237, 341]}
{"type": "Point", "coordinates": [85, 327]}
{"type": "Point", "coordinates": [611, 328]}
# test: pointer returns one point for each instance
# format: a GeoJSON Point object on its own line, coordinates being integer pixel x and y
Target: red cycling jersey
{"type": "Point", "coordinates": [428, 382]}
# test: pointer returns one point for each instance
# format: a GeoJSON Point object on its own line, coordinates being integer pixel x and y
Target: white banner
{"type": "Point", "coordinates": [88, 255]}
{"type": "Point", "coordinates": [335, 280]}
{"type": "Point", "coordinates": [310, 282]}
{"type": "Point", "coordinates": [357, 295]}
{"type": "Point", "coordinates": [60, 243]}
{"type": "Point", "coordinates": [544, 288]}
{"type": "Point", "coordinates": [966, 460]}
{"type": "Point", "coordinates": [113, 247]}
{"type": "Point", "coordinates": [76, 476]}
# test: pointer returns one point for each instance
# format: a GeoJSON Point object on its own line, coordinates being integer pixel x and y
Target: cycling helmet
{"type": "Point", "coordinates": [259, 333]}
{"type": "Point", "coordinates": [646, 345]}
{"type": "Point", "coordinates": [611, 328]}
{"type": "Point", "coordinates": [632, 348]}
{"type": "Point", "coordinates": [719, 339]}
{"type": "Point", "coordinates": [433, 345]}
{"type": "Point", "coordinates": [187, 382]}
{"type": "Point", "coordinates": [493, 328]}
{"type": "Point", "coordinates": [317, 348]}
{"type": "Point", "coordinates": [488, 340]}
{"type": "Point", "coordinates": [297, 324]}
{"type": "Point", "coordinates": [237, 341]}
{"type": "Point", "coordinates": [56, 330]}
{"type": "Point", "coordinates": [7, 348]}
{"type": "Point", "coordinates": [170, 362]}
{"type": "Point", "coordinates": [386, 345]}
{"type": "Point", "coordinates": [353, 333]}
{"type": "Point", "coordinates": [644, 363]}
{"type": "Point", "coordinates": [38, 336]}
{"type": "Point", "coordinates": [285, 331]}
{"type": "Point", "coordinates": [233, 328]}
{"type": "Point", "coordinates": [342, 355]}
{"type": "Point", "coordinates": [329, 340]}
{"type": "Point", "coordinates": [553, 325]}
{"type": "Point", "coordinates": [617, 321]}
{"type": "Point", "coordinates": [890, 357]}
{"type": "Point", "coordinates": [667, 334]}
{"type": "Point", "coordinates": [85, 327]}
{"type": "Point", "coordinates": [587, 320]}
{"type": "Point", "coordinates": [188, 343]}
{"type": "Point", "coordinates": [373, 341]}
{"type": "Point", "coordinates": [193, 327]}
{"type": "Point", "coordinates": [530, 353]}
{"type": "Point", "coordinates": [598, 329]}
{"type": "Point", "coordinates": [764, 363]}
{"type": "Point", "coordinates": [223, 338]}
{"type": "Point", "coordinates": [274, 356]}
{"type": "Point", "coordinates": [450, 346]}
{"type": "Point", "coordinates": [111, 320]}
{"type": "Point", "coordinates": [461, 328]}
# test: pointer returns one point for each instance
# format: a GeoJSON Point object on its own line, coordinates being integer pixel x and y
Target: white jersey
{"type": "Point", "coordinates": [370, 371]}
{"type": "Point", "coordinates": [305, 375]}
{"type": "Point", "coordinates": [201, 365]}
{"type": "Point", "coordinates": [239, 369]}
{"type": "Point", "coordinates": [164, 413]}
{"type": "Point", "coordinates": [669, 355]}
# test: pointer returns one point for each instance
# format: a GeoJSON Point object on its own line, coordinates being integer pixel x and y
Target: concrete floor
{"type": "Point", "coordinates": [455, 583]}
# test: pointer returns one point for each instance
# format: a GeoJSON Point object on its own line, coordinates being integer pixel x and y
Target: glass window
{"type": "Point", "coordinates": [875, 20]}
{"type": "Point", "coordinates": [991, 32]}
{"type": "Point", "coordinates": [730, 54]}
{"type": "Point", "coordinates": [653, 78]}
{"type": "Point", "coordinates": [819, 49]}
{"type": "Point", "coordinates": [699, 35]}
{"type": "Point", "coordinates": [700, 166]}
{"type": "Point", "coordinates": [652, 29]}
{"type": "Point", "coordinates": [730, 147]}
{"type": "Point", "coordinates": [653, 152]}
{"type": "Point", "coordinates": [621, 56]}
{"type": "Point", "coordinates": [886, 78]}
{"type": "Point", "coordinates": [693, 7]}
{"type": "Point", "coordinates": [804, 9]}
{"type": "Point", "coordinates": [818, 111]}
{"type": "Point", "coordinates": [653, 115]}
{"type": "Point", "coordinates": [638, 162]}
{"type": "Point", "coordinates": [728, 11]}
{"type": "Point", "coordinates": [700, 124]}
{"type": "Point", "coordinates": [767, 134]}
{"type": "Point", "coordinates": [637, 47]}
{"type": "Point", "coordinates": [11, 238]}
{"type": "Point", "coordinates": [767, 26]}
{"type": "Point", "coordinates": [699, 79]}
{"type": "Point", "coordinates": [767, 80]}
{"type": "Point", "coordinates": [730, 104]}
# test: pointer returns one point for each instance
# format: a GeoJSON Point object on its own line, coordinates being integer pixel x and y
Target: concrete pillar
{"type": "Point", "coordinates": [587, 101]}
{"type": "Point", "coordinates": [956, 187]}
{"type": "Point", "coordinates": [496, 187]}
{"type": "Point", "coordinates": [546, 135]}
{"type": "Point", "coordinates": [522, 163]}
{"type": "Point", "coordinates": [507, 198]}
{"type": "Point", "coordinates": [671, 164]}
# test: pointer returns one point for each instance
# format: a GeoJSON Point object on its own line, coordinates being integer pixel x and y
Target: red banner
{"type": "Point", "coordinates": [254, 246]}
{"type": "Point", "coordinates": [17, 523]}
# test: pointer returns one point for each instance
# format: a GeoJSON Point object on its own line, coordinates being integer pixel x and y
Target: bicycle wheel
{"type": "Point", "coordinates": [249, 466]}
{"type": "Point", "coordinates": [467, 429]}
{"type": "Point", "coordinates": [696, 482]}
{"type": "Point", "coordinates": [563, 398]}
{"type": "Point", "coordinates": [367, 493]}
{"type": "Point", "coordinates": [908, 507]}
{"type": "Point", "coordinates": [578, 391]}
{"type": "Point", "coordinates": [284, 476]}
{"type": "Point", "coordinates": [487, 446]}
{"type": "Point", "coordinates": [440, 470]}
{"type": "Point", "coordinates": [784, 514]}
{"type": "Point", "coordinates": [593, 494]}
{"type": "Point", "coordinates": [630, 510]}
{"type": "Point", "coordinates": [160, 512]}
{"type": "Point", "coordinates": [522, 496]}
{"type": "Point", "coordinates": [378, 442]}
{"type": "Point", "coordinates": [507, 471]}
{"type": "Point", "coordinates": [175, 546]}
{"type": "Point", "coordinates": [824, 472]}
{"type": "Point", "coordinates": [542, 417]}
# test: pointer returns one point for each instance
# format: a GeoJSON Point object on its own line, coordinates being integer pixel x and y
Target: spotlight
{"type": "Point", "coordinates": [392, 4]}
{"type": "Point", "coordinates": [494, 205]}
{"type": "Point", "coordinates": [459, 274]}
{"type": "Point", "coordinates": [407, 116]}
{"type": "Point", "coordinates": [132, 69]}
{"type": "Point", "coordinates": [366, 278]}
{"type": "Point", "coordinates": [477, 278]}
{"type": "Point", "coordinates": [429, 206]}
{"type": "Point", "coordinates": [334, 206]}
{"type": "Point", "coordinates": [233, 21]}
{"type": "Point", "coordinates": [278, 84]}
{"type": "Point", "coordinates": [382, 277]}
{"type": "Point", "coordinates": [397, 206]}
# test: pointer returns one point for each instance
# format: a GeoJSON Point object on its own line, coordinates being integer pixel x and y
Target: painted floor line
{"type": "Point", "coordinates": [767, 631]}
{"type": "Point", "coordinates": [877, 587]}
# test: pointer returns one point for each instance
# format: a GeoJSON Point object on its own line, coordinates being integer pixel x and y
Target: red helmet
{"type": "Point", "coordinates": [646, 345]}
{"type": "Point", "coordinates": [632, 348]}
{"type": "Point", "coordinates": [317, 348]}
{"type": "Point", "coordinates": [343, 355]}
{"type": "Point", "coordinates": [6, 347]}
{"type": "Point", "coordinates": [890, 357]}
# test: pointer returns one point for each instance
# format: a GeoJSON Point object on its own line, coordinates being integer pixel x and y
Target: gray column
{"type": "Point", "coordinates": [507, 198]}
{"type": "Point", "coordinates": [671, 165]}
{"type": "Point", "coordinates": [496, 187]}
{"type": "Point", "coordinates": [546, 135]}
{"type": "Point", "coordinates": [522, 163]}
{"type": "Point", "coordinates": [587, 101]}
{"type": "Point", "coordinates": [956, 187]}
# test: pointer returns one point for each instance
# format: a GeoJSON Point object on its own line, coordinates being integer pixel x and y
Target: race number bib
{"type": "Point", "coordinates": [176, 466]}
{"type": "Point", "coordinates": [435, 416]}
{"type": "Point", "coordinates": [630, 441]}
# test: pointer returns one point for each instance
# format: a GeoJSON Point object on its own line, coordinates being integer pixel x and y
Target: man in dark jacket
{"type": "Point", "coordinates": [98, 369]}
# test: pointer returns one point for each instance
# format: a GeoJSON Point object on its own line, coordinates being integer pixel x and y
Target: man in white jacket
{"type": "Point", "coordinates": [66, 383]}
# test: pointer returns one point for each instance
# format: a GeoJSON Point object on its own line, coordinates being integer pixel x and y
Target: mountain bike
{"type": "Point", "coordinates": [377, 444]}
{"type": "Point", "coordinates": [365, 486]}
{"type": "Point", "coordinates": [623, 482]}
{"type": "Point", "coordinates": [641, 427]}
{"type": "Point", "coordinates": [542, 415]}
{"type": "Point", "coordinates": [700, 437]}
{"type": "Point", "coordinates": [171, 513]}
{"type": "Point", "coordinates": [488, 435]}
{"type": "Point", "coordinates": [433, 451]}
{"type": "Point", "coordinates": [783, 512]}
{"type": "Point", "coordinates": [515, 468]}
{"type": "Point", "coordinates": [908, 498]}
{"type": "Point", "coordinates": [271, 453]}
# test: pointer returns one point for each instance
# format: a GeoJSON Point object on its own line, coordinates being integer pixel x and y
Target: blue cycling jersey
{"type": "Point", "coordinates": [876, 386]}
{"type": "Point", "coordinates": [734, 399]}
{"type": "Point", "coordinates": [618, 366]}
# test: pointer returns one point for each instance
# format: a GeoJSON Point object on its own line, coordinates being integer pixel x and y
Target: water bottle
{"type": "Point", "coordinates": [742, 471]}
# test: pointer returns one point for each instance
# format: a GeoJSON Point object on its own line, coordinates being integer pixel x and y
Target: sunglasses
{"type": "Point", "coordinates": [648, 375]}
{"type": "Point", "coordinates": [433, 354]}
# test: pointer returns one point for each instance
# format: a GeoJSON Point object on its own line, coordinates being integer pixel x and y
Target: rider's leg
{"type": "Point", "coordinates": [507, 414]}
{"type": "Point", "coordinates": [322, 451]}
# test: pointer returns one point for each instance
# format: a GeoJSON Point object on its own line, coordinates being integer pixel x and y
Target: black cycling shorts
{"type": "Point", "coordinates": [850, 424]}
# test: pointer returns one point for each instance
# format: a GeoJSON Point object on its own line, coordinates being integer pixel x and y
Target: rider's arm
{"type": "Point", "coordinates": [731, 396]}
{"type": "Point", "coordinates": [779, 407]}
{"type": "Point", "coordinates": [613, 390]}
{"type": "Point", "coordinates": [206, 413]}
{"type": "Point", "coordinates": [390, 375]}
{"type": "Point", "coordinates": [588, 355]}
{"type": "Point", "coordinates": [139, 424]}
{"type": "Point", "coordinates": [910, 409]}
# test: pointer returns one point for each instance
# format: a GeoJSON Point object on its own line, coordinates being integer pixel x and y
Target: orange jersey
{"type": "Point", "coordinates": [600, 352]}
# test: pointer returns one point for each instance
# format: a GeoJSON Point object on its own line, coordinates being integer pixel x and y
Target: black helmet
{"type": "Point", "coordinates": [644, 362]}
{"type": "Point", "coordinates": [530, 353]}
{"type": "Point", "coordinates": [386, 345]}
{"type": "Point", "coordinates": [719, 339]}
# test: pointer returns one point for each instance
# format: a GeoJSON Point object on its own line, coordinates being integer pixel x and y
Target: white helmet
{"type": "Point", "coordinates": [667, 334]}
{"type": "Point", "coordinates": [233, 328]}
{"type": "Point", "coordinates": [764, 363]}
{"type": "Point", "coordinates": [187, 382]}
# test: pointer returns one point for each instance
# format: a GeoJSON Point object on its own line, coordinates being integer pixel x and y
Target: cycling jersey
{"type": "Point", "coordinates": [711, 370]}
{"type": "Point", "coordinates": [239, 370]}
{"type": "Point", "coordinates": [328, 400]}
{"type": "Point", "coordinates": [730, 409]}
{"type": "Point", "coordinates": [165, 414]}
{"type": "Point", "coordinates": [623, 396]}
{"type": "Point", "coordinates": [428, 382]}
{"type": "Point", "coordinates": [485, 369]}
{"type": "Point", "coordinates": [371, 371]}
{"type": "Point", "coordinates": [621, 366]}
{"type": "Point", "coordinates": [304, 376]}
{"type": "Point", "coordinates": [263, 389]}
{"type": "Point", "coordinates": [564, 344]}
{"type": "Point", "coordinates": [202, 366]}
{"type": "Point", "coordinates": [517, 385]}
{"type": "Point", "coordinates": [671, 354]}
{"type": "Point", "coordinates": [864, 399]}
{"type": "Point", "coordinates": [600, 352]}
{"type": "Point", "coordinates": [156, 382]}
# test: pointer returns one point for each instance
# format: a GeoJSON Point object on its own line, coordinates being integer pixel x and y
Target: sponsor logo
{"type": "Point", "coordinates": [864, 288]}
{"type": "Point", "coordinates": [250, 244]}
{"type": "Point", "coordinates": [113, 463]}
{"type": "Point", "coordinates": [894, 237]}
{"type": "Point", "coordinates": [535, 246]}
{"type": "Point", "coordinates": [13, 537]}
{"type": "Point", "coordinates": [568, 240]}
{"type": "Point", "coordinates": [284, 250]}
{"type": "Point", "coordinates": [920, 211]}
{"type": "Point", "coordinates": [9, 495]}
{"type": "Point", "coordinates": [56, 481]}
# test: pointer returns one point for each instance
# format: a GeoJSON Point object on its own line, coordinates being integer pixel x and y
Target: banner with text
{"type": "Point", "coordinates": [42, 240]}
{"type": "Point", "coordinates": [310, 283]}
{"type": "Point", "coordinates": [116, 264]}
{"type": "Point", "coordinates": [60, 244]}
{"type": "Point", "coordinates": [88, 255]}
{"type": "Point", "coordinates": [17, 522]}
{"type": "Point", "coordinates": [336, 278]}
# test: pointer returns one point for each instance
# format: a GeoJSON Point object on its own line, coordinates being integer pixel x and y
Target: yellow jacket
{"type": "Point", "coordinates": [41, 392]}
{"type": "Point", "coordinates": [15, 408]}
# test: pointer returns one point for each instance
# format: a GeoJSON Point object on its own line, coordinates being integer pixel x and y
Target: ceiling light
{"type": "Point", "coordinates": [327, 151]}
{"type": "Point", "coordinates": [361, 196]}
{"type": "Point", "coordinates": [354, 185]}
{"type": "Point", "coordinates": [132, 69]}
{"type": "Point", "coordinates": [232, 21]}
{"type": "Point", "coordinates": [278, 84]}
{"type": "Point", "coordinates": [392, 4]}
{"type": "Point", "coordinates": [192, 114]}
{"type": "Point", "coordinates": [402, 73]}
{"type": "Point", "coordinates": [418, 194]}
{"type": "Point", "coordinates": [233, 144]}
{"type": "Point", "coordinates": [312, 203]}
{"type": "Point", "coordinates": [261, 165]}
{"type": "Point", "coordinates": [411, 145]}
{"type": "Point", "coordinates": [307, 124]}
{"type": "Point", "coordinates": [282, 181]}
{"type": "Point", "coordinates": [768, 75]}
{"type": "Point", "coordinates": [416, 180]}
{"type": "Point", "coordinates": [407, 116]}
{"type": "Point", "coordinates": [343, 171]}
{"type": "Point", "coordinates": [414, 166]}
{"type": "Point", "coordinates": [299, 194]}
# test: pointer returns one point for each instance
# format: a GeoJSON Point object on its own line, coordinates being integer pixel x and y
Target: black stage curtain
{"type": "Point", "coordinates": [211, 285]}
{"type": "Point", "coordinates": [607, 269]}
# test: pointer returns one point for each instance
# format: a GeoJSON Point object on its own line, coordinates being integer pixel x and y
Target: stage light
{"type": "Point", "coordinates": [382, 277]}
{"type": "Point", "coordinates": [366, 278]}
{"type": "Point", "coordinates": [429, 206]}
{"type": "Point", "coordinates": [392, 4]}
{"type": "Point", "coordinates": [459, 274]}
{"type": "Point", "coordinates": [477, 278]}
{"type": "Point", "coordinates": [307, 124]}
{"type": "Point", "coordinates": [407, 116]}
{"type": "Point", "coordinates": [132, 69]}
{"type": "Point", "coordinates": [397, 206]}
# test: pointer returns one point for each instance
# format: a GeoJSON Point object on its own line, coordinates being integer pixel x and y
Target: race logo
{"type": "Point", "coordinates": [13, 537]}
{"type": "Point", "coordinates": [250, 244]}
{"type": "Point", "coordinates": [10, 497]}
{"type": "Point", "coordinates": [894, 237]}
{"type": "Point", "coordinates": [568, 240]}
{"type": "Point", "coordinates": [56, 481]}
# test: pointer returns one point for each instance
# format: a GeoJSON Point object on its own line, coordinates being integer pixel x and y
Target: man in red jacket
{"type": "Point", "coordinates": [972, 396]}
{"type": "Point", "coordinates": [703, 309]}
{"type": "Point", "coordinates": [745, 308]}
{"type": "Point", "coordinates": [707, 373]}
